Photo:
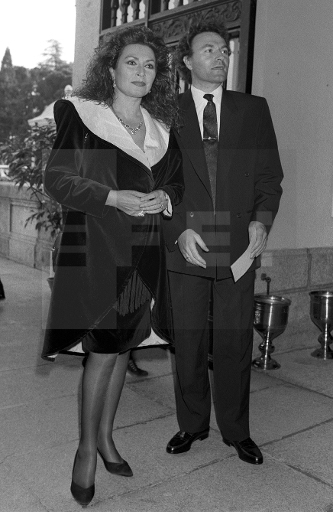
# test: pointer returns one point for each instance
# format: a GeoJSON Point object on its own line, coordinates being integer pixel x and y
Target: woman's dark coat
{"type": "Point", "coordinates": [101, 246]}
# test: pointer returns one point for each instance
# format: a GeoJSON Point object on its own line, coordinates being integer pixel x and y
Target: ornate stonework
{"type": "Point", "coordinates": [178, 25]}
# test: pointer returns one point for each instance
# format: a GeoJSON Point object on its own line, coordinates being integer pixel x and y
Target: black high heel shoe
{"type": "Point", "coordinates": [83, 495]}
{"type": "Point", "coordinates": [117, 468]}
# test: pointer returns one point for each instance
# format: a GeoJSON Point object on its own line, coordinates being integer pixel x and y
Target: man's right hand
{"type": "Point", "coordinates": [187, 243]}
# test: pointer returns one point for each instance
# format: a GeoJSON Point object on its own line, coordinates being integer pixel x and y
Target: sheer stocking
{"type": "Point", "coordinates": [105, 441]}
{"type": "Point", "coordinates": [102, 384]}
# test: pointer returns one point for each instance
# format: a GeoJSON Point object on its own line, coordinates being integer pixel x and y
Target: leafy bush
{"type": "Point", "coordinates": [26, 158]}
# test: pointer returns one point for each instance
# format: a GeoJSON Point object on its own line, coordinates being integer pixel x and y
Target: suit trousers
{"type": "Point", "coordinates": [232, 335]}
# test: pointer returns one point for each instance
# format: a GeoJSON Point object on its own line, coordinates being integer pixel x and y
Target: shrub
{"type": "Point", "coordinates": [26, 158]}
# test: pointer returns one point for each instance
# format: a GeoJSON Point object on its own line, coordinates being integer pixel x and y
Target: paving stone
{"type": "Point", "coordinates": [282, 410]}
{"type": "Point", "coordinates": [229, 486]}
{"type": "Point", "coordinates": [15, 496]}
{"type": "Point", "coordinates": [38, 425]}
{"type": "Point", "coordinates": [301, 369]}
{"type": "Point", "coordinates": [310, 451]}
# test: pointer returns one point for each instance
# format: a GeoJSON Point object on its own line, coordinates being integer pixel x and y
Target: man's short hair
{"type": "Point", "coordinates": [184, 47]}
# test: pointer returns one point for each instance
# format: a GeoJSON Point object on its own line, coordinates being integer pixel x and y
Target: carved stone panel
{"type": "Point", "coordinates": [172, 29]}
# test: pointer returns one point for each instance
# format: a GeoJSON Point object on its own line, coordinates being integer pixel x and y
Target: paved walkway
{"type": "Point", "coordinates": [291, 419]}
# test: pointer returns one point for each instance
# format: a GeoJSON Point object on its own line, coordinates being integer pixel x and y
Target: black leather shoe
{"type": "Point", "coordinates": [247, 450]}
{"type": "Point", "coordinates": [2, 291]}
{"type": "Point", "coordinates": [182, 441]}
{"type": "Point", "coordinates": [135, 370]}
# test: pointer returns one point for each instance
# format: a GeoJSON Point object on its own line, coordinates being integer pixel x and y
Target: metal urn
{"type": "Point", "coordinates": [321, 313]}
{"type": "Point", "coordinates": [270, 320]}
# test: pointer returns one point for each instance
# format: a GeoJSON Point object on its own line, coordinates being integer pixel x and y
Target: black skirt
{"type": "Point", "coordinates": [127, 324]}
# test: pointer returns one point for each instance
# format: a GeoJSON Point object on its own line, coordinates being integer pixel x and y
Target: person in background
{"type": "Point", "coordinates": [232, 176]}
{"type": "Point", "coordinates": [133, 368]}
{"type": "Point", "coordinates": [116, 169]}
{"type": "Point", "coordinates": [2, 291]}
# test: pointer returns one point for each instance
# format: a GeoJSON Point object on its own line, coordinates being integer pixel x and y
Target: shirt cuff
{"type": "Point", "coordinates": [168, 210]}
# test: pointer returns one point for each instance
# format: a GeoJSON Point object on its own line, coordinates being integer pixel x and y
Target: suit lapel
{"type": "Point", "coordinates": [191, 138]}
{"type": "Point", "coordinates": [231, 119]}
{"type": "Point", "coordinates": [230, 130]}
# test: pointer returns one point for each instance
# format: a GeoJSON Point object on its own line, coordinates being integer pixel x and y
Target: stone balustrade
{"type": "Point", "coordinates": [120, 12]}
{"type": "Point", "coordinates": [18, 241]}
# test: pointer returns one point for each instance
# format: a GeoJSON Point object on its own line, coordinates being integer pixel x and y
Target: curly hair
{"type": "Point", "coordinates": [98, 85]}
{"type": "Point", "coordinates": [184, 47]}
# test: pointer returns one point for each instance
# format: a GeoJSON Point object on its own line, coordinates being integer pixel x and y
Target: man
{"type": "Point", "coordinates": [232, 175]}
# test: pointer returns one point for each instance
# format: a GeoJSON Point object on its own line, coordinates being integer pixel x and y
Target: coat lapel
{"type": "Point", "coordinates": [191, 138]}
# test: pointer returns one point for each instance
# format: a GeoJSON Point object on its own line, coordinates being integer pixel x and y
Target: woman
{"type": "Point", "coordinates": [115, 167]}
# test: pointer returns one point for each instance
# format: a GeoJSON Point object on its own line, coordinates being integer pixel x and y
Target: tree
{"type": "Point", "coordinates": [16, 98]}
{"type": "Point", "coordinates": [25, 93]}
{"type": "Point", "coordinates": [53, 73]}
{"type": "Point", "coordinates": [50, 84]}
{"type": "Point", "coordinates": [52, 55]}
{"type": "Point", "coordinates": [7, 70]}
{"type": "Point", "coordinates": [7, 97]}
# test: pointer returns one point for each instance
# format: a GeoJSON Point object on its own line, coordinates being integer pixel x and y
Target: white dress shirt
{"type": "Point", "coordinates": [200, 103]}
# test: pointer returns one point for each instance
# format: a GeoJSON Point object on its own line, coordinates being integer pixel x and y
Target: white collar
{"type": "Point", "coordinates": [200, 102]}
{"type": "Point", "coordinates": [102, 121]}
{"type": "Point", "coordinates": [198, 95]}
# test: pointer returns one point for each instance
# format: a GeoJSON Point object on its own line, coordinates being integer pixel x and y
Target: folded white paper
{"type": "Point", "coordinates": [240, 266]}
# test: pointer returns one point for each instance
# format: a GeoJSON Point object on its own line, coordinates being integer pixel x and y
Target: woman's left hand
{"type": "Point", "coordinates": [154, 202]}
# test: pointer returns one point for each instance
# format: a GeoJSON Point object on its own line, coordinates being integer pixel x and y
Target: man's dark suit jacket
{"type": "Point", "coordinates": [248, 181]}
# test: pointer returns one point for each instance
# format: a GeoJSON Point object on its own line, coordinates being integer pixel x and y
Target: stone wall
{"type": "Point", "coordinates": [294, 273]}
{"type": "Point", "coordinates": [20, 242]}
{"type": "Point", "coordinates": [300, 100]}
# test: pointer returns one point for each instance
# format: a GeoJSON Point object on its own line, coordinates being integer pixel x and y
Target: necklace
{"type": "Point", "coordinates": [131, 130]}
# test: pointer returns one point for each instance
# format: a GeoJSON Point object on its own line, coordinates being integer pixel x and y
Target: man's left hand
{"type": "Point", "coordinates": [257, 233]}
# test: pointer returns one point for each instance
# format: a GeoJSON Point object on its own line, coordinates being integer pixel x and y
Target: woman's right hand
{"type": "Point", "coordinates": [128, 201]}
